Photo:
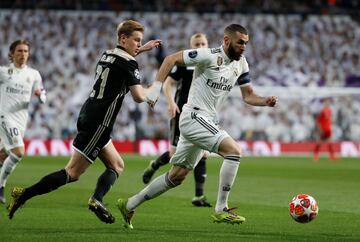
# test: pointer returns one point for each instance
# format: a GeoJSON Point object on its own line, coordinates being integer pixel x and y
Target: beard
{"type": "Point", "coordinates": [232, 53]}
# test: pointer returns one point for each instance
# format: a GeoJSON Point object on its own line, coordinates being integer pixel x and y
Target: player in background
{"type": "Point", "coordinates": [18, 82]}
{"type": "Point", "coordinates": [324, 130]}
{"type": "Point", "coordinates": [116, 74]}
{"type": "Point", "coordinates": [216, 72]}
{"type": "Point", "coordinates": [181, 77]}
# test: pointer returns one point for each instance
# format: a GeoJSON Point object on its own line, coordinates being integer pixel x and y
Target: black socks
{"type": "Point", "coordinates": [104, 183]}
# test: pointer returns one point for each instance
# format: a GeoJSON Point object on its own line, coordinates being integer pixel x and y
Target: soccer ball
{"type": "Point", "coordinates": [303, 208]}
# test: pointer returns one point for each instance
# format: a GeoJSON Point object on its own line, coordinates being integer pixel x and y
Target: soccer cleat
{"type": "Point", "coordinates": [101, 211]}
{"type": "Point", "coordinates": [127, 216]}
{"type": "Point", "coordinates": [2, 196]}
{"type": "Point", "coordinates": [16, 194]}
{"type": "Point", "coordinates": [228, 216]}
{"type": "Point", "coordinates": [200, 201]}
{"type": "Point", "coordinates": [148, 173]}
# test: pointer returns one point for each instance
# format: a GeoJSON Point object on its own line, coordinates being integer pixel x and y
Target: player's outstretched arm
{"type": "Point", "coordinates": [150, 45]}
{"type": "Point", "coordinates": [251, 98]}
{"type": "Point", "coordinates": [138, 93]}
{"type": "Point", "coordinates": [169, 62]}
{"type": "Point", "coordinates": [173, 108]}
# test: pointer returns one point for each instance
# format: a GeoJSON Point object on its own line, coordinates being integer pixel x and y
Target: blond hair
{"type": "Point", "coordinates": [127, 27]}
{"type": "Point", "coordinates": [197, 35]}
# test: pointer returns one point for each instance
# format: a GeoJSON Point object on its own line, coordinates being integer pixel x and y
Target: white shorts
{"type": "Point", "coordinates": [198, 132]}
{"type": "Point", "coordinates": [11, 136]}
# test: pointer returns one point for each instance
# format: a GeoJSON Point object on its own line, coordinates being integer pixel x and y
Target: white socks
{"type": "Point", "coordinates": [8, 167]}
{"type": "Point", "coordinates": [158, 186]}
{"type": "Point", "coordinates": [227, 177]}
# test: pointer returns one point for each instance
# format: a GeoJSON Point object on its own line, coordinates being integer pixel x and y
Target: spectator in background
{"type": "Point", "coordinates": [324, 130]}
{"type": "Point", "coordinates": [279, 47]}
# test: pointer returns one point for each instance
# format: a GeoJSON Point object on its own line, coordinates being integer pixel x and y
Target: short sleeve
{"type": "Point", "coordinates": [244, 78]}
{"type": "Point", "coordinates": [132, 73]}
{"type": "Point", "coordinates": [37, 80]}
{"type": "Point", "coordinates": [193, 57]}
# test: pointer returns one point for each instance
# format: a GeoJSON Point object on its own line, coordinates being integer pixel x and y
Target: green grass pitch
{"type": "Point", "coordinates": [262, 191]}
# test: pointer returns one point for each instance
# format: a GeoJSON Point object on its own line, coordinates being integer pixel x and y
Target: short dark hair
{"type": "Point", "coordinates": [16, 43]}
{"type": "Point", "coordinates": [233, 28]}
{"type": "Point", "coordinates": [128, 26]}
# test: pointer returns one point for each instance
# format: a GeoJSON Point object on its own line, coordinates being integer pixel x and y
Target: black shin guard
{"type": "Point", "coordinates": [104, 183]}
{"type": "Point", "coordinates": [47, 184]}
{"type": "Point", "coordinates": [161, 160]}
{"type": "Point", "coordinates": [199, 176]}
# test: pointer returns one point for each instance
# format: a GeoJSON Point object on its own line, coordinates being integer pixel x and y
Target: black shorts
{"type": "Point", "coordinates": [90, 141]}
{"type": "Point", "coordinates": [174, 130]}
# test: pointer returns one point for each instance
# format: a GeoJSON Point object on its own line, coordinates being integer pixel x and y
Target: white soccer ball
{"type": "Point", "coordinates": [303, 208]}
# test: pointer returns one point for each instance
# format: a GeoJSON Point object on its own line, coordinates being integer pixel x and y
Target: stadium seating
{"type": "Point", "coordinates": [311, 51]}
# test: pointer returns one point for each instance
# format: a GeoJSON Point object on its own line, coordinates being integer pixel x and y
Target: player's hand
{"type": "Point", "coordinates": [151, 103]}
{"type": "Point", "coordinates": [41, 94]}
{"type": "Point", "coordinates": [271, 101]}
{"type": "Point", "coordinates": [151, 44]}
{"type": "Point", "coordinates": [173, 109]}
{"type": "Point", "coordinates": [153, 93]}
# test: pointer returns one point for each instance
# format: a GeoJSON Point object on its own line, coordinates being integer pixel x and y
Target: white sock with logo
{"type": "Point", "coordinates": [227, 177]}
{"type": "Point", "coordinates": [8, 167]}
{"type": "Point", "coordinates": [157, 187]}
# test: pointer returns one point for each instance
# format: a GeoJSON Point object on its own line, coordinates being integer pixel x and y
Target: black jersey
{"type": "Point", "coordinates": [183, 75]}
{"type": "Point", "coordinates": [115, 72]}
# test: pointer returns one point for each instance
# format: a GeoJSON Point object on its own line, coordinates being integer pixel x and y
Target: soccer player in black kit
{"type": "Point", "coordinates": [181, 76]}
{"type": "Point", "coordinates": [116, 74]}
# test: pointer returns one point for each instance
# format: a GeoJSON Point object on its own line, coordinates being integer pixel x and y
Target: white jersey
{"type": "Point", "coordinates": [214, 77]}
{"type": "Point", "coordinates": [16, 88]}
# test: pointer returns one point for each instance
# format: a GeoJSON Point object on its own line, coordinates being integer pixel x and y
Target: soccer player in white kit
{"type": "Point", "coordinates": [216, 72]}
{"type": "Point", "coordinates": [17, 83]}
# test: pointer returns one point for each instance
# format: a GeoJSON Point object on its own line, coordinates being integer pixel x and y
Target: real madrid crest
{"type": "Point", "coordinates": [220, 61]}
{"type": "Point", "coordinates": [10, 71]}
{"type": "Point", "coordinates": [236, 72]}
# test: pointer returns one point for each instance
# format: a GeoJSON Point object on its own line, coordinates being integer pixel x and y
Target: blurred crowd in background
{"type": "Point", "coordinates": [199, 6]}
{"type": "Point", "coordinates": [288, 50]}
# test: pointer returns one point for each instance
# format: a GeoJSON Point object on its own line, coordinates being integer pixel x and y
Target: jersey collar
{"type": "Point", "coordinates": [12, 65]}
{"type": "Point", "coordinates": [227, 60]}
{"type": "Point", "coordinates": [120, 47]}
